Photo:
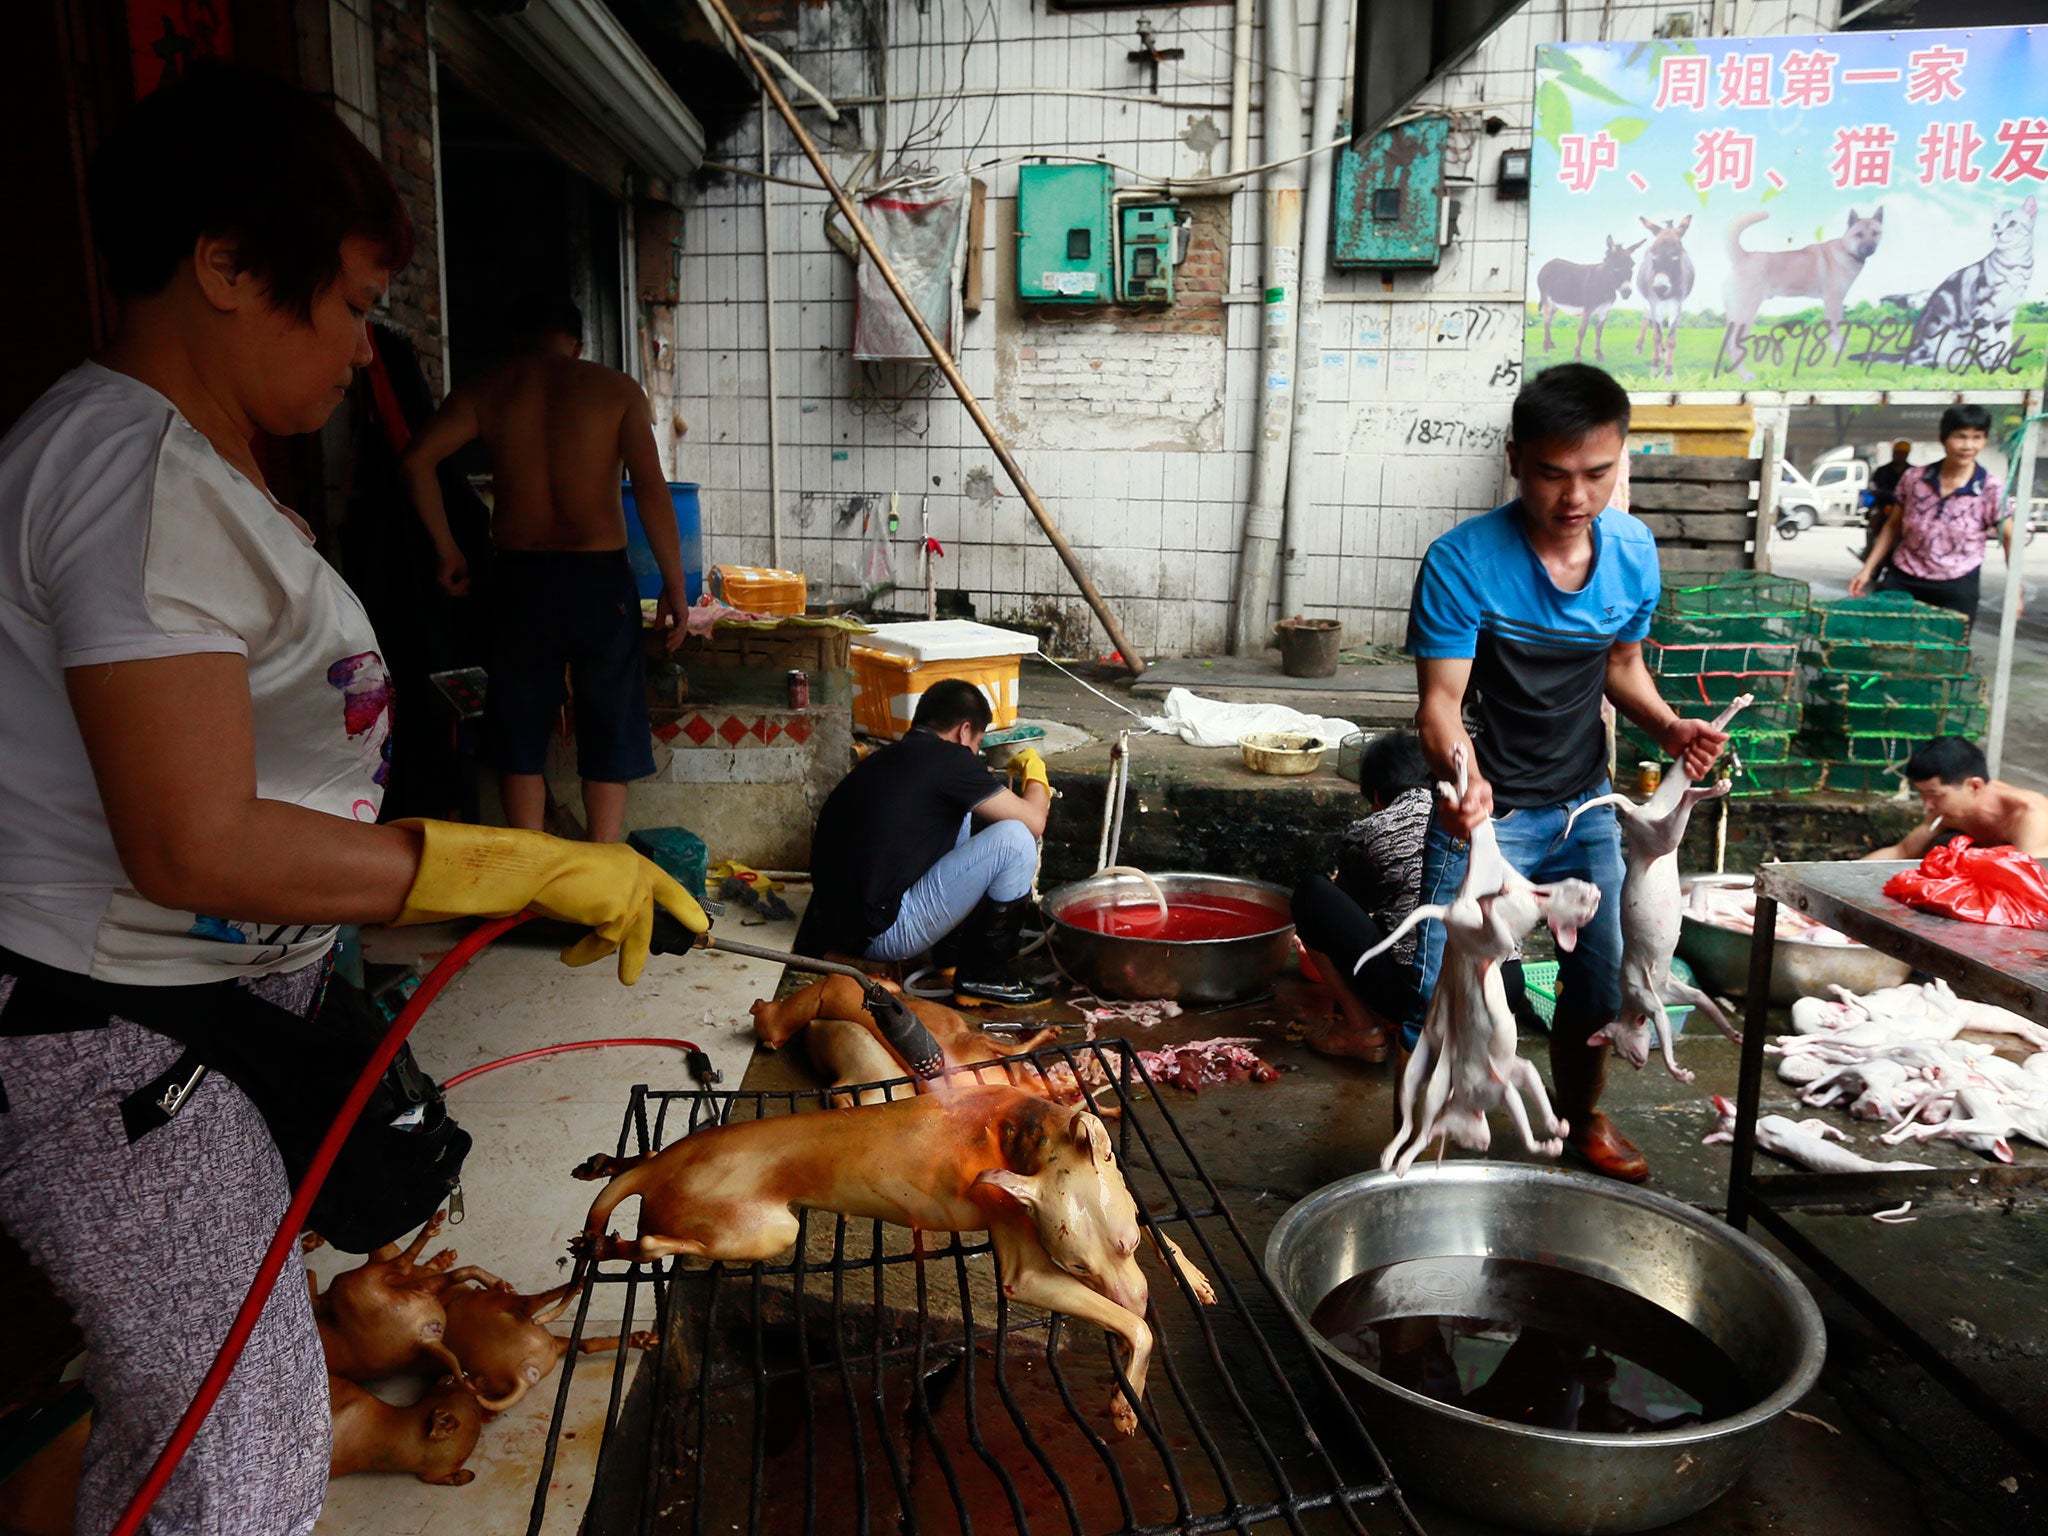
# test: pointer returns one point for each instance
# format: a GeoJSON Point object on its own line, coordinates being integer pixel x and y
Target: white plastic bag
{"type": "Point", "coordinates": [923, 231]}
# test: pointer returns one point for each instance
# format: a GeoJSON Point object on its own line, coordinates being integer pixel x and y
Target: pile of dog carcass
{"type": "Point", "coordinates": [1894, 1056]}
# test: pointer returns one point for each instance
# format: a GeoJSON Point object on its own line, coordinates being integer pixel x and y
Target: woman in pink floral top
{"type": "Point", "coordinates": [1935, 535]}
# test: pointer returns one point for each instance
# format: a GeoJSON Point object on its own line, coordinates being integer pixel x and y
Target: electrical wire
{"type": "Point", "coordinates": [284, 1243]}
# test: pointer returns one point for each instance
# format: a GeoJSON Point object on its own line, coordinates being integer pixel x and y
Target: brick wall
{"type": "Point", "coordinates": [405, 115]}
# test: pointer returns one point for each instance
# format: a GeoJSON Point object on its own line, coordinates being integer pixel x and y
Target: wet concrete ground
{"type": "Point", "coordinates": [1885, 1451]}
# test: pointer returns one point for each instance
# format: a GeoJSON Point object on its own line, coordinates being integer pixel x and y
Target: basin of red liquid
{"type": "Point", "coordinates": [1188, 919]}
{"type": "Point", "coordinates": [1223, 938]}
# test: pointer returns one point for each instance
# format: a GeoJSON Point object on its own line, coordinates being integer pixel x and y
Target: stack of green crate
{"type": "Point", "coordinates": [1885, 674]}
{"type": "Point", "coordinates": [1720, 634]}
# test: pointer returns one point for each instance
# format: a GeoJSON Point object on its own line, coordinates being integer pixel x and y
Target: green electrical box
{"type": "Point", "coordinates": [1389, 204]}
{"type": "Point", "coordinates": [1063, 245]}
{"type": "Point", "coordinates": [1149, 239]}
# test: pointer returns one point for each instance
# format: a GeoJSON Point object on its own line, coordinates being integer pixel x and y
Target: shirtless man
{"type": "Point", "coordinates": [560, 593]}
{"type": "Point", "coordinates": [1955, 785]}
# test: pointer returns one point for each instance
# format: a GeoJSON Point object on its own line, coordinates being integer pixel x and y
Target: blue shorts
{"type": "Point", "coordinates": [573, 612]}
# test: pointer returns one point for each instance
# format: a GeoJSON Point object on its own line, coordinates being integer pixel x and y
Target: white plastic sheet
{"type": "Point", "coordinates": [1204, 722]}
{"type": "Point", "coordinates": [923, 231]}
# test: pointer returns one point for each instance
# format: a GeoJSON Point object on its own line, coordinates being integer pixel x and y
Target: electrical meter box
{"type": "Point", "coordinates": [1148, 249]}
{"type": "Point", "coordinates": [1390, 198]}
{"type": "Point", "coordinates": [1063, 244]}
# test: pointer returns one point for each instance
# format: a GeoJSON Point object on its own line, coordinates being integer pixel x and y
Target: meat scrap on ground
{"type": "Point", "coordinates": [1203, 1064]}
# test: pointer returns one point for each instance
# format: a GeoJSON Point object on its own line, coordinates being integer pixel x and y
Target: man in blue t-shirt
{"type": "Point", "coordinates": [1522, 620]}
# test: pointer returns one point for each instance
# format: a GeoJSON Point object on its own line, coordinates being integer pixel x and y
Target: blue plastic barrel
{"type": "Point", "coordinates": [689, 522]}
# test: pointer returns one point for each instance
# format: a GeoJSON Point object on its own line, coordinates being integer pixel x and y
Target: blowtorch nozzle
{"type": "Point", "coordinates": [904, 1032]}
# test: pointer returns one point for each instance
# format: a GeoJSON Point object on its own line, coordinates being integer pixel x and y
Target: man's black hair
{"type": "Point", "coordinates": [1965, 418]}
{"type": "Point", "coordinates": [1568, 404]}
{"type": "Point", "coordinates": [1391, 764]}
{"type": "Point", "coordinates": [1951, 759]}
{"type": "Point", "coordinates": [950, 702]}
{"type": "Point", "coordinates": [232, 152]}
{"type": "Point", "coordinates": [549, 317]}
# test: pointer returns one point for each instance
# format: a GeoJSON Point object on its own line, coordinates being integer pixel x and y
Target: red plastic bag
{"type": "Point", "coordinates": [1979, 885]}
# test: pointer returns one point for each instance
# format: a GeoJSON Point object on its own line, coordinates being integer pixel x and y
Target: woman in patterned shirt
{"type": "Point", "coordinates": [1935, 535]}
{"type": "Point", "coordinates": [1379, 878]}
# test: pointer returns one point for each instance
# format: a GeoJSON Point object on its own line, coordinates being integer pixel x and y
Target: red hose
{"type": "Point", "coordinates": [556, 1050]}
{"type": "Point", "coordinates": [285, 1243]}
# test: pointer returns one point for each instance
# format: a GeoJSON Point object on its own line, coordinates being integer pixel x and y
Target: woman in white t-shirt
{"type": "Point", "coordinates": [192, 757]}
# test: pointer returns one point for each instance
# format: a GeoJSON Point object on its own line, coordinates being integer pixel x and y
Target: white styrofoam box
{"type": "Point", "coordinates": [949, 640]}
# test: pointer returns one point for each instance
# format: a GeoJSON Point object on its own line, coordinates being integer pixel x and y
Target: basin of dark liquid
{"type": "Point", "coordinates": [1532, 1344]}
{"type": "Point", "coordinates": [1188, 918]}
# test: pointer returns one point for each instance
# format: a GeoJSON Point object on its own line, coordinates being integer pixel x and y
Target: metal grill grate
{"type": "Point", "coordinates": [878, 1380]}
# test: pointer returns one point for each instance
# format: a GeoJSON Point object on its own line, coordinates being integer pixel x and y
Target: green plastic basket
{"type": "Point", "coordinates": [1930, 692]}
{"type": "Point", "coordinates": [1918, 659]}
{"type": "Point", "coordinates": [1879, 620]}
{"type": "Point", "coordinates": [1795, 776]}
{"type": "Point", "coordinates": [1726, 592]}
{"type": "Point", "coordinates": [1864, 778]}
{"type": "Point", "coordinates": [676, 849]}
{"type": "Point", "coordinates": [1539, 980]}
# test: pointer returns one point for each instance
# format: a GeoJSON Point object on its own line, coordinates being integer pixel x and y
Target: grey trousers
{"type": "Point", "coordinates": [154, 1246]}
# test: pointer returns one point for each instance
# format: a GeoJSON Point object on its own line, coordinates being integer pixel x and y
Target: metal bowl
{"type": "Point", "coordinates": [1184, 970]}
{"type": "Point", "coordinates": [1534, 1479]}
{"type": "Point", "coordinates": [1799, 967]}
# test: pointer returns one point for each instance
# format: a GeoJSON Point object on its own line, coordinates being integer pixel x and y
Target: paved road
{"type": "Point", "coordinates": [1822, 556]}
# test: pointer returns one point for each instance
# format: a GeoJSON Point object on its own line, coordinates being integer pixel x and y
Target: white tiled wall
{"type": "Point", "coordinates": [1145, 461]}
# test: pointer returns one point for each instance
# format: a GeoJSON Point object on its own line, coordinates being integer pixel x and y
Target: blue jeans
{"type": "Point", "coordinates": [1589, 977]}
{"type": "Point", "coordinates": [997, 862]}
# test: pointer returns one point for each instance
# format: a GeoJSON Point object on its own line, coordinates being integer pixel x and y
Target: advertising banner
{"type": "Point", "coordinates": [1854, 211]}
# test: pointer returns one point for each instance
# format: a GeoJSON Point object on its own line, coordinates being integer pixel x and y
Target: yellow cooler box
{"type": "Point", "coordinates": [894, 665]}
{"type": "Point", "coordinates": [759, 588]}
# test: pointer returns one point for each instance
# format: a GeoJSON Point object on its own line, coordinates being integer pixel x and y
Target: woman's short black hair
{"type": "Point", "coordinates": [1567, 404]}
{"type": "Point", "coordinates": [1951, 759]}
{"type": "Point", "coordinates": [1391, 764]}
{"type": "Point", "coordinates": [952, 701]}
{"type": "Point", "coordinates": [230, 151]}
{"type": "Point", "coordinates": [1965, 418]}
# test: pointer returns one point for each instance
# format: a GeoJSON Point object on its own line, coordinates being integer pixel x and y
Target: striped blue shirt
{"type": "Point", "coordinates": [1539, 654]}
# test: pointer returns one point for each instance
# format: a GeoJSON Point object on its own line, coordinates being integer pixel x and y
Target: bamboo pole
{"type": "Point", "coordinates": [937, 348]}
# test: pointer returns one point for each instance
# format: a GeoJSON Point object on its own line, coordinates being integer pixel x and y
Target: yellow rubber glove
{"type": "Point", "coordinates": [1031, 767]}
{"type": "Point", "coordinates": [470, 871]}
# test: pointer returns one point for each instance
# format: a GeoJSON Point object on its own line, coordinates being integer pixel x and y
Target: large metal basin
{"type": "Point", "coordinates": [1799, 967]}
{"type": "Point", "coordinates": [1186, 971]}
{"type": "Point", "coordinates": [1543, 1479]}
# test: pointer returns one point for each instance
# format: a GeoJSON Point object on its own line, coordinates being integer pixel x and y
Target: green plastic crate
{"type": "Point", "coordinates": [1729, 628]}
{"type": "Point", "coordinates": [1794, 776]}
{"type": "Point", "coordinates": [1691, 694]}
{"type": "Point", "coordinates": [1724, 592]}
{"type": "Point", "coordinates": [1931, 692]}
{"type": "Point", "coordinates": [1773, 746]}
{"type": "Point", "coordinates": [1877, 620]}
{"type": "Point", "coordinates": [1921, 721]}
{"type": "Point", "coordinates": [1864, 778]}
{"type": "Point", "coordinates": [1919, 659]}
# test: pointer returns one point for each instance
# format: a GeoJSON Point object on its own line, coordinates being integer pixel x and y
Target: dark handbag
{"type": "Point", "coordinates": [399, 1164]}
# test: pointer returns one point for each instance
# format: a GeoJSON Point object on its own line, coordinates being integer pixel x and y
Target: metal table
{"type": "Point", "coordinates": [2007, 966]}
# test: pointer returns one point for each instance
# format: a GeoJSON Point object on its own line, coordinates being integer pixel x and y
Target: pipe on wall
{"type": "Point", "coordinates": [1241, 87]}
{"type": "Point", "coordinates": [1333, 57]}
{"type": "Point", "coordinates": [768, 329]}
{"type": "Point", "coordinates": [1274, 419]}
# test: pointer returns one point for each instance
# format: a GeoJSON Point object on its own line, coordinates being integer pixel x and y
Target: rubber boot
{"type": "Point", "coordinates": [986, 974]}
{"type": "Point", "coordinates": [1578, 1072]}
